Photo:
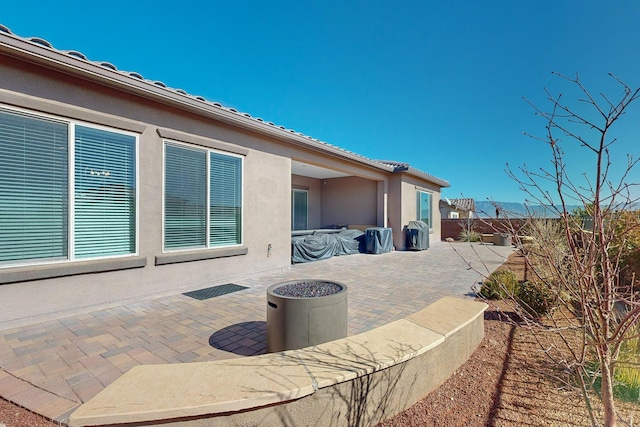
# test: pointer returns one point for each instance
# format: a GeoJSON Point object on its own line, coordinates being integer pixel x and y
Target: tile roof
{"type": "Point", "coordinates": [42, 43]}
{"type": "Point", "coordinates": [467, 204]}
{"type": "Point", "coordinates": [406, 167]}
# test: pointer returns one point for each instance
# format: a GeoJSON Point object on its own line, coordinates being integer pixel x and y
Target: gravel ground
{"type": "Point", "coordinates": [502, 383]}
{"type": "Point", "coordinates": [496, 387]}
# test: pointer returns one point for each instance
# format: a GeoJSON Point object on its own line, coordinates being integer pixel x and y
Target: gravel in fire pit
{"type": "Point", "coordinates": [307, 289]}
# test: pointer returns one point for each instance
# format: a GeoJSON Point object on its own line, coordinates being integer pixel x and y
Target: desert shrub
{"type": "Point", "coordinates": [500, 284]}
{"type": "Point", "coordinates": [627, 373]}
{"type": "Point", "coordinates": [626, 386]}
{"type": "Point", "coordinates": [630, 271]}
{"type": "Point", "coordinates": [536, 298]}
{"type": "Point", "coordinates": [469, 236]}
{"type": "Point", "coordinates": [548, 249]}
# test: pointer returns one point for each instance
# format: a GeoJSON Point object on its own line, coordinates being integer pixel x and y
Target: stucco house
{"type": "Point", "coordinates": [457, 208]}
{"type": "Point", "coordinates": [114, 188]}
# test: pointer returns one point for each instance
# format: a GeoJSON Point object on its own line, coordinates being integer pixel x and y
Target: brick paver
{"type": "Point", "coordinates": [52, 367]}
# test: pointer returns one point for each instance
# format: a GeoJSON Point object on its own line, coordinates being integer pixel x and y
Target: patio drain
{"type": "Point", "coordinates": [214, 291]}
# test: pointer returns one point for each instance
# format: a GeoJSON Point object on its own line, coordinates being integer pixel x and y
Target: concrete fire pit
{"type": "Point", "coordinates": [302, 313]}
{"type": "Point", "coordinates": [501, 239]}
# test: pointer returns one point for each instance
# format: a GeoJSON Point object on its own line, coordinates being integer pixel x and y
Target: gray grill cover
{"type": "Point", "coordinates": [417, 236]}
{"type": "Point", "coordinates": [379, 240]}
{"type": "Point", "coordinates": [320, 245]}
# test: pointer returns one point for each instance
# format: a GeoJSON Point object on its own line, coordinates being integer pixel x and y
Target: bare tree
{"type": "Point", "coordinates": [582, 265]}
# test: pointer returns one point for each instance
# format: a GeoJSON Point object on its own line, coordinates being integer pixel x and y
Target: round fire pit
{"type": "Point", "coordinates": [501, 239]}
{"type": "Point", "coordinates": [302, 313]}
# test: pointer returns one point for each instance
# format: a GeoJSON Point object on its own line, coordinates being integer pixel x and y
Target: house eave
{"type": "Point", "coordinates": [54, 59]}
{"type": "Point", "coordinates": [422, 175]}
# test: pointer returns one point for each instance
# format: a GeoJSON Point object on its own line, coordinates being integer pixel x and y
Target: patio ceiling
{"type": "Point", "coordinates": [313, 171]}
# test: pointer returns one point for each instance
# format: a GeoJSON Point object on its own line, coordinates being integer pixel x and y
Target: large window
{"type": "Point", "coordinates": [424, 208]}
{"type": "Point", "coordinates": [299, 209]}
{"type": "Point", "coordinates": [105, 193]}
{"type": "Point", "coordinates": [202, 198]}
{"type": "Point", "coordinates": [67, 191]}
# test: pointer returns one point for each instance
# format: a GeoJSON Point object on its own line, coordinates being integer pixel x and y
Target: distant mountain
{"type": "Point", "coordinates": [486, 209]}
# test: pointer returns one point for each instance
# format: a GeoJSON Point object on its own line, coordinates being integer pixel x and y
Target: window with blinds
{"type": "Point", "coordinates": [105, 193]}
{"type": "Point", "coordinates": [66, 191]}
{"type": "Point", "coordinates": [202, 198]}
{"type": "Point", "coordinates": [34, 215]}
{"type": "Point", "coordinates": [225, 200]}
{"type": "Point", "coordinates": [185, 197]}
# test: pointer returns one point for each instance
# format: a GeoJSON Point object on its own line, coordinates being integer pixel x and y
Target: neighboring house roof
{"type": "Point", "coordinates": [40, 51]}
{"type": "Point", "coordinates": [462, 204]}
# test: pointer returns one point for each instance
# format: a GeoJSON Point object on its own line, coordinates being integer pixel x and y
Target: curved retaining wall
{"type": "Point", "coordinates": [356, 381]}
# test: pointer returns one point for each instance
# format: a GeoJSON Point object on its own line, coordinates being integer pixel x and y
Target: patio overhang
{"type": "Point", "coordinates": [313, 171]}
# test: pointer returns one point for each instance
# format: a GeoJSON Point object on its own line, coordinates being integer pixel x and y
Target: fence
{"type": "Point", "coordinates": [453, 227]}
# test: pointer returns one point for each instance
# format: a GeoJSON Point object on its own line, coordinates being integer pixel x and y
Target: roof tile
{"type": "Point", "coordinates": [134, 75]}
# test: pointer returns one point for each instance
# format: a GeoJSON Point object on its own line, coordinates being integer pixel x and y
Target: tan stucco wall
{"type": "Point", "coordinates": [370, 195]}
{"type": "Point", "coordinates": [267, 200]}
{"type": "Point", "coordinates": [403, 206]}
{"type": "Point", "coordinates": [394, 216]}
{"type": "Point", "coordinates": [410, 187]}
{"type": "Point", "coordinates": [445, 212]}
{"type": "Point", "coordinates": [349, 200]}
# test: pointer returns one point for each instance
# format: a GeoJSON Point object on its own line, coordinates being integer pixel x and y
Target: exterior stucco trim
{"type": "Point", "coordinates": [173, 258]}
{"type": "Point", "coordinates": [198, 140]}
{"type": "Point", "coordinates": [62, 110]}
{"type": "Point", "coordinates": [28, 273]}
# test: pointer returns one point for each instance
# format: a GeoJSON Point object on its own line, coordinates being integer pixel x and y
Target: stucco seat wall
{"type": "Point", "coordinates": [369, 377]}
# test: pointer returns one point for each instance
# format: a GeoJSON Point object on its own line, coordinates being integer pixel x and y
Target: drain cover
{"type": "Point", "coordinates": [214, 291]}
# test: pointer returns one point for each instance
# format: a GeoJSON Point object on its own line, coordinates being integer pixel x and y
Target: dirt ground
{"type": "Point", "coordinates": [500, 385]}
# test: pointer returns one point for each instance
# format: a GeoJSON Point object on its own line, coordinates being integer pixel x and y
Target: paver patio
{"type": "Point", "coordinates": [52, 367]}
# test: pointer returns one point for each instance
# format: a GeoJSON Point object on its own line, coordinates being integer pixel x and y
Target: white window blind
{"type": "Point", "coordinates": [225, 200]}
{"type": "Point", "coordinates": [105, 193]}
{"type": "Point", "coordinates": [202, 198]}
{"type": "Point", "coordinates": [66, 191]}
{"type": "Point", "coordinates": [33, 188]}
{"type": "Point", "coordinates": [185, 204]}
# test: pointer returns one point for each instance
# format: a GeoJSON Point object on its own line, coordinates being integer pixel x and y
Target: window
{"type": "Point", "coordinates": [202, 198]}
{"type": "Point", "coordinates": [67, 191]}
{"type": "Point", "coordinates": [299, 206]}
{"type": "Point", "coordinates": [424, 208]}
{"type": "Point", "coordinates": [454, 215]}
{"type": "Point", "coordinates": [105, 193]}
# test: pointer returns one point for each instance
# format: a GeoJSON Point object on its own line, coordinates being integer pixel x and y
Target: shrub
{"type": "Point", "coordinates": [469, 236]}
{"type": "Point", "coordinates": [500, 284]}
{"type": "Point", "coordinates": [627, 372]}
{"type": "Point", "coordinates": [626, 386]}
{"type": "Point", "coordinates": [536, 298]}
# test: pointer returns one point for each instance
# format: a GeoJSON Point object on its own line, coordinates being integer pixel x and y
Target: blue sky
{"type": "Point", "coordinates": [437, 84]}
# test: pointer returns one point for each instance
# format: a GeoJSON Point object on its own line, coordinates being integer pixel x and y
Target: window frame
{"type": "Point", "coordinates": [419, 204]}
{"type": "Point", "coordinates": [71, 189]}
{"type": "Point", "coordinates": [136, 171]}
{"type": "Point", "coordinates": [293, 208]}
{"type": "Point", "coordinates": [208, 246]}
